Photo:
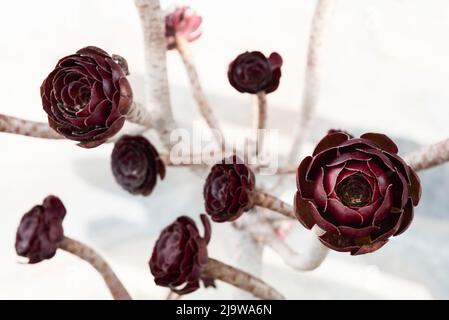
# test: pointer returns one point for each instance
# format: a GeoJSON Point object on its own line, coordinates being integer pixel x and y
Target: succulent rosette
{"type": "Point", "coordinates": [40, 230]}
{"type": "Point", "coordinates": [252, 72]}
{"type": "Point", "coordinates": [182, 22]}
{"type": "Point", "coordinates": [180, 254]}
{"type": "Point", "coordinates": [136, 164]}
{"type": "Point", "coordinates": [87, 97]}
{"type": "Point", "coordinates": [229, 190]}
{"type": "Point", "coordinates": [358, 190]}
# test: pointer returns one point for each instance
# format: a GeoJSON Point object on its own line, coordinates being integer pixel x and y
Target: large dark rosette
{"type": "Point", "coordinates": [252, 72]}
{"type": "Point", "coordinates": [136, 164]}
{"type": "Point", "coordinates": [229, 190]}
{"type": "Point", "coordinates": [179, 255]}
{"type": "Point", "coordinates": [358, 190]}
{"type": "Point", "coordinates": [40, 230]}
{"type": "Point", "coordinates": [87, 97]}
{"type": "Point", "coordinates": [184, 22]}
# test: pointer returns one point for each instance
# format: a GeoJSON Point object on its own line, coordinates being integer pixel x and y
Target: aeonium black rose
{"type": "Point", "coordinates": [136, 164]}
{"type": "Point", "coordinates": [40, 230]}
{"type": "Point", "coordinates": [252, 72]}
{"type": "Point", "coordinates": [87, 97]}
{"type": "Point", "coordinates": [229, 190]}
{"type": "Point", "coordinates": [358, 190]}
{"type": "Point", "coordinates": [180, 254]}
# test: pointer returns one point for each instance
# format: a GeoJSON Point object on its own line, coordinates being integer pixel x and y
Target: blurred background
{"type": "Point", "coordinates": [385, 69]}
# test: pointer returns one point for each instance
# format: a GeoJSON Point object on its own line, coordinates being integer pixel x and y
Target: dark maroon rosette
{"type": "Point", "coordinates": [180, 254]}
{"type": "Point", "coordinates": [229, 190]}
{"type": "Point", "coordinates": [252, 72]}
{"type": "Point", "coordinates": [358, 190]}
{"type": "Point", "coordinates": [40, 230]}
{"type": "Point", "coordinates": [87, 97]}
{"type": "Point", "coordinates": [182, 22]}
{"type": "Point", "coordinates": [136, 164]}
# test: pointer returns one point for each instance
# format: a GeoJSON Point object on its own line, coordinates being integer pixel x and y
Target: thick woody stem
{"type": "Point", "coordinates": [311, 83]}
{"type": "Point", "coordinates": [265, 200]}
{"type": "Point", "coordinates": [306, 260]}
{"type": "Point", "coordinates": [429, 156]}
{"type": "Point", "coordinates": [152, 19]}
{"type": "Point", "coordinates": [240, 279]}
{"type": "Point", "coordinates": [291, 169]}
{"type": "Point", "coordinates": [35, 129]}
{"type": "Point", "coordinates": [82, 251]}
{"type": "Point", "coordinates": [138, 114]}
{"type": "Point", "coordinates": [312, 77]}
{"type": "Point", "coordinates": [287, 170]}
{"type": "Point", "coordinates": [198, 93]}
{"type": "Point", "coordinates": [173, 296]}
{"type": "Point", "coordinates": [261, 102]}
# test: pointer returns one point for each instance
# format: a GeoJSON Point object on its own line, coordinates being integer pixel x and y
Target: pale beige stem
{"type": "Point", "coordinates": [121, 61]}
{"type": "Point", "coordinates": [173, 296]}
{"type": "Point", "coordinates": [189, 160]}
{"type": "Point", "coordinates": [152, 19]}
{"type": "Point", "coordinates": [265, 200]}
{"type": "Point", "coordinates": [240, 279]}
{"type": "Point", "coordinates": [281, 170]}
{"type": "Point", "coordinates": [138, 114]}
{"type": "Point", "coordinates": [248, 252]}
{"type": "Point", "coordinates": [308, 259]}
{"type": "Point", "coordinates": [310, 93]}
{"type": "Point", "coordinates": [312, 77]}
{"type": "Point", "coordinates": [261, 101]}
{"type": "Point", "coordinates": [287, 170]}
{"type": "Point", "coordinates": [198, 93]}
{"type": "Point", "coordinates": [429, 156]}
{"type": "Point", "coordinates": [82, 251]}
{"type": "Point", "coordinates": [311, 85]}
{"type": "Point", "coordinates": [35, 129]}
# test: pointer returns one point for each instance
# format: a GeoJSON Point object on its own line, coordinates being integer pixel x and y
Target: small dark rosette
{"type": "Point", "coordinates": [136, 164]}
{"type": "Point", "coordinates": [184, 22]}
{"type": "Point", "coordinates": [229, 190]}
{"type": "Point", "coordinates": [87, 97]}
{"type": "Point", "coordinates": [252, 72]}
{"type": "Point", "coordinates": [40, 230]}
{"type": "Point", "coordinates": [358, 190]}
{"type": "Point", "coordinates": [179, 255]}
